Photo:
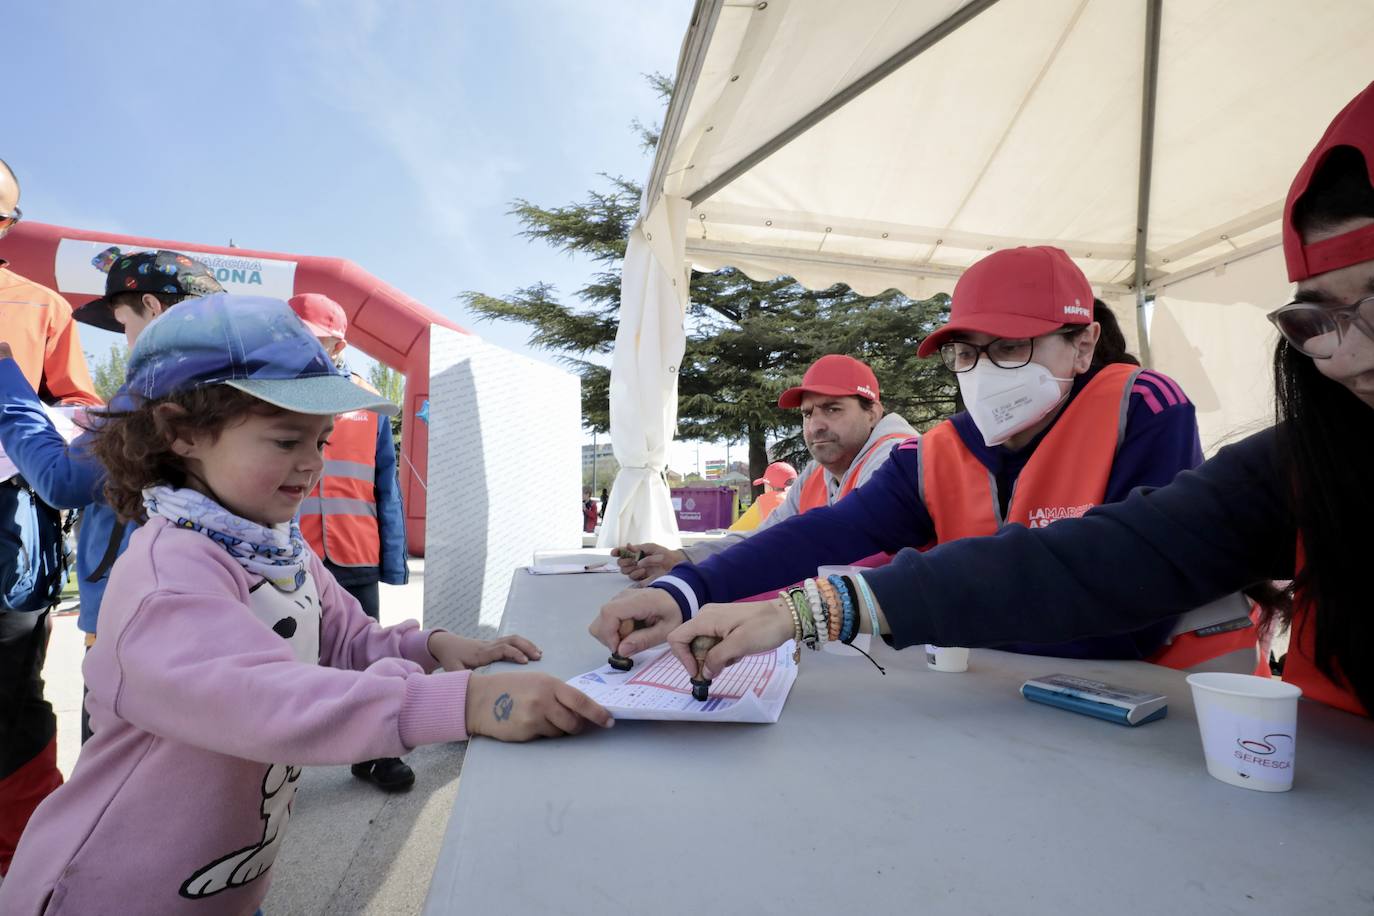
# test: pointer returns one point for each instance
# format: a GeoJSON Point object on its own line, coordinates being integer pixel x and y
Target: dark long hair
{"type": "Point", "coordinates": [1111, 343]}
{"type": "Point", "coordinates": [1326, 440]}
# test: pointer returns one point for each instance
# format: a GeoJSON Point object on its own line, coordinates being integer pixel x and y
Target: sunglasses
{"type": "Point", "coordinates": [1316, 331]}
{"type": "Point", "coordinates": [7, 220]}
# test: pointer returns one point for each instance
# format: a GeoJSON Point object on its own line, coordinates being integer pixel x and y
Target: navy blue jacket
{"type": "Point", "coordinates": [1225, 526]}
{"type": "Point", "coordinates": [65, 476]}
{"type": "Point", "coordinates": [887, 514]}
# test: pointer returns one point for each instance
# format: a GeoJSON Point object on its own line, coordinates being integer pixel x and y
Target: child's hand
{"type": "Point", "coordinates": [457, 653]}
{"type": "Point", "coordinates": [518, 706]}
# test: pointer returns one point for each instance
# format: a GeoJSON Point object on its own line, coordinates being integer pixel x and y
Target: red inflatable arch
{"type": "Point", "coordinates": [383, 322]}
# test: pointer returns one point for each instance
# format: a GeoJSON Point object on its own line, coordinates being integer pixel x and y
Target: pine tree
{"type": "Point", "coordinates": [108, 374]}
{"type": "Point", "coordinates": [747, 340]}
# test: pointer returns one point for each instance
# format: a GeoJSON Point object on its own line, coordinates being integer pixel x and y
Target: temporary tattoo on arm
{"type": "Point", "coordinates": [502, 707]}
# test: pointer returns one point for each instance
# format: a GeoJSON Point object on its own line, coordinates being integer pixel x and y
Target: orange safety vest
{"type": "Point", "coordinates": [814, 495]}
{"type": "Point", "coordinates": [1065, 477]}
{"type": "Point", "coordinates": [760, 510]}
{"type": "Point", "coordinates": [768, 501]}
{"type": "Point", "coordinates": [339, 517]}
{"type": "Point", "coordinates": [1300, 667]}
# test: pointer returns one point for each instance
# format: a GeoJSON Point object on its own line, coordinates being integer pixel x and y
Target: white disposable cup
{"type": "Point", "coordinates": [946, 658]}
{"type": "Point", "coordinates": [1249, 728]}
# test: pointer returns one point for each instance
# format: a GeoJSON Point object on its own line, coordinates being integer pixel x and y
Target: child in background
{"type": "Point", "coordinates": [228, 656]}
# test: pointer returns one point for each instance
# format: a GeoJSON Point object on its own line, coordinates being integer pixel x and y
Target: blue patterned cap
{"type": "Point", "coordinates": [251, 343]}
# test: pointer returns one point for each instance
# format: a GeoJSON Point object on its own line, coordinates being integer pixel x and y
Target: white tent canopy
{"type": "Point", "coordinates": [891, 143]}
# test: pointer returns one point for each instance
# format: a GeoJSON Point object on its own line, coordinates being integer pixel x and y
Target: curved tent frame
{"type": "Point", "coordinates": [892, 143]}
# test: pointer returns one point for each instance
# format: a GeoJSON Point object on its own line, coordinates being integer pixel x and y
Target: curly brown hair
{"type": "Point", "coordinates": [135, 446]}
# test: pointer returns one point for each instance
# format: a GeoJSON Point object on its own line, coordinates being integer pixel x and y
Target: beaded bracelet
{"type": "Point", "coordinates": [796, 626]}
{"type": "Point", "coordinates": [846, 634]}
{"type": "Point", "coordinates": [813, 596]}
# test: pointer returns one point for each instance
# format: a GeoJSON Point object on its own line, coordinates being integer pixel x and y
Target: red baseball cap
{"type": "Point", "coordinates": [835, 375]}
{"type": "Point", "coordinates": [1353, 127]}
{"type": "Point", "coordinates": [778, 474]}
{"type": "Point", "coordinates": [1017, 292]}
{"type": "Point", "coordinates": [322, 315]}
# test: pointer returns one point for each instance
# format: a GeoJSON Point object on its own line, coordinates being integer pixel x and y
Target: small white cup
{"type": "Point", "coordinates": [946, 658]}
{"type": "Point", "coordinates": [1249, 728]}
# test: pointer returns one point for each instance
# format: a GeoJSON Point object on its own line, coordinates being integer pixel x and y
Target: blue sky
{"type": "Point", "coordinates": [392, 134]}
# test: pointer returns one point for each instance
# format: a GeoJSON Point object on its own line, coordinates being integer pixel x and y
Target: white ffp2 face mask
{"type": "Point", "coordinates": [1003, 402]}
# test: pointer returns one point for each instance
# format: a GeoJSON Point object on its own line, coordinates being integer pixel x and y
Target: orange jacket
{"type": "Point", "coordinates": [813, 494]}
{"type": "Point", "coordinates": [37, 324]}
{"type": "Point", "coordinates": [762, 508]}
{"type": "Point", "coordinates": [339, 517]}
{"type": "Point", "coordinates": [1065, 477]}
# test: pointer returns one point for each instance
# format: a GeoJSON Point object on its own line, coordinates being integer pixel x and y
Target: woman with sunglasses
{"type": "Point", "coordinates": [1292, 502]}
{"type": "Point", "coordinates": [1059, 418]}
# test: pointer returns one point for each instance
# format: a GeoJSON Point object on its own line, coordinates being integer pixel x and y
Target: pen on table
{"type": "Point", "coordinates": [701, 686]}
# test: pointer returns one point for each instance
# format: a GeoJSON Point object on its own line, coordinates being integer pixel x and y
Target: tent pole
{"type": "Point", "coordinates": [846, 95]}
{"type": "Point", "coordinates": [693, 58]}
{"type": "Point", "coordinates": [1153, 11]}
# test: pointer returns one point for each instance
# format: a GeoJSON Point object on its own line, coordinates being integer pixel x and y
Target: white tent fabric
{"type": "Point", "coordinates": [1211, 333]}
{"type": "Point", "coordinates": [891, 143]}
{"type": "Point", "coordinates": [648, 350]}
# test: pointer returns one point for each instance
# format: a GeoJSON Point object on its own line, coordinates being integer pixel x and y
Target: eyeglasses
{"type": "Point", "coordinates": [7, 220]}
{"type": "Point", "coordinates": [1004, 353]}
{"type": "Point", "coordinates": [1317, 330]}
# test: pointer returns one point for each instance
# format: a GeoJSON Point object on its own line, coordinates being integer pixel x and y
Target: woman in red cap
{"type": "Point", "coordinates": [1059, 419]}
{"type": "Point", "coordinates": [1291, 502]}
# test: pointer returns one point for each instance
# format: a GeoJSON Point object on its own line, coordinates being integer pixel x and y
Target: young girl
{"type": "Point", "coordinates": [1292, 502]}
{"type": "Point", "coordinates": [229, 658]}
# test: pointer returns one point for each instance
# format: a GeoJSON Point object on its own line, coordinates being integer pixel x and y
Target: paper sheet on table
{"type": "Point", "coordinates": [64, 419]}
{"type": "Point", "coordinates": [592, 565]}
{"type": "Point", "coordinates": [658, 687]}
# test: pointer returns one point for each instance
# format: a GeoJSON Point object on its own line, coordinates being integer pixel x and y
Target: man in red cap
{"type": "Point", "coordinates": [353, 519]}
{"type": "Point", "coordinates": [846, 432]}
{"type": "Point", "coordinates": [777, 477]}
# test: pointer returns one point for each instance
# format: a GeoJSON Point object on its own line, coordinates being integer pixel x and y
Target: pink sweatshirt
{"type": "Point", "coordinates": [203, 715]}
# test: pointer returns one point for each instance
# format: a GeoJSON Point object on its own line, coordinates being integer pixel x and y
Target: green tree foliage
{"type": "Point", "coordinates": [108, 374]}
{"type": "Point", "coordinates": [392, 386]}
{"type": "Point", "coordinates": [747, 340]}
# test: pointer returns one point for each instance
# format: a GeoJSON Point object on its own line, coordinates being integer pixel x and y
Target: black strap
{"type": "Point", "coordinates": [111, 553]}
